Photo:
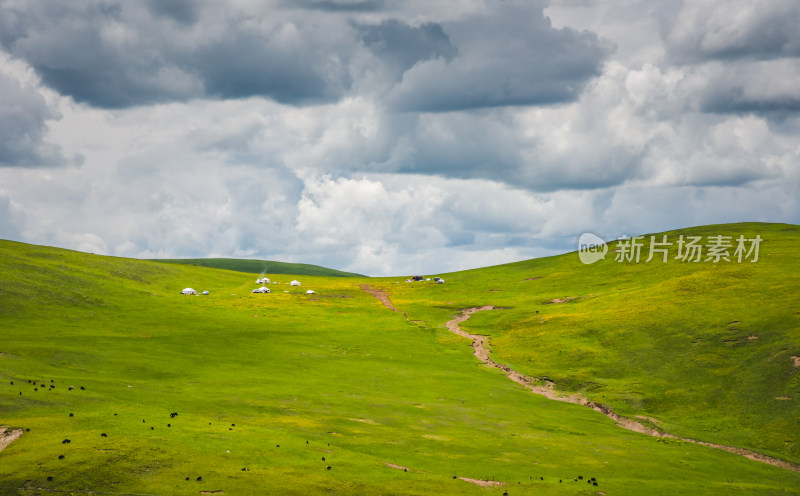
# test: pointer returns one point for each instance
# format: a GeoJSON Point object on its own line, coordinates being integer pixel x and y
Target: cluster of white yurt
{"type": "Point", "coordinates": [190, 291]}
{"type": "Point", "coordinates": [437, 280]}
{"type": "Point", "coordinates": [265, 280]}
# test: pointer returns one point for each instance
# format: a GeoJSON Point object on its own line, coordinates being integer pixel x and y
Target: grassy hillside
{"type": "Point", "coordinates": [260, 266]}
{"type": "Point", "coordinates": [703, 350]}
{"type": "Point", "coordinates": [266, 386]}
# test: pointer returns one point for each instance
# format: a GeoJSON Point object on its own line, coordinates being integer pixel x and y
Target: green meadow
{"type": "Point", "coordinates": [333, 393]}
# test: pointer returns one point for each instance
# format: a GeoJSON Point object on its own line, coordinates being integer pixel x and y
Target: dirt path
{"type": "Point", "coordinates": [480, 346]}
{"type": "Point", "coordinates": [383, 296]}
{"type": "Point", "coordinates": [8, 436]}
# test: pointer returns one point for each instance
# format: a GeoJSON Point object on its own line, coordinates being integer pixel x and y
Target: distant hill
{"type": "Point", "coordinates": [259, 266]}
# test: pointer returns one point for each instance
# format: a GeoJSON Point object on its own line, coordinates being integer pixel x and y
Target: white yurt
{"type": "Point", "coordinates": [311, 291]}
{"type": "Point", "coordinates": [440, 281]}
{"type": "Point", "coordinates": [189, 291]}
{"type": "Point", "coordinates": [205, 292]}
{"type": "Point", "coordinates": [262, 289]}
{"type": "Point", "coordinates": [295, 283]}
{"type": "Point", "coordinates": [263, 280]}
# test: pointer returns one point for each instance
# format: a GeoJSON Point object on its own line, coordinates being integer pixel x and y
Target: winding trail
{"type": "Point", "coordinates": [480, 345]}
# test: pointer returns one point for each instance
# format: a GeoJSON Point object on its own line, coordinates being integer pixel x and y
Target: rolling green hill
{"type": "Point", "coordinates": [260, 266]}
{"type": "Point", "coordinates": [701, 349]}
{"type": "Point", "coordinates": [333, 393]}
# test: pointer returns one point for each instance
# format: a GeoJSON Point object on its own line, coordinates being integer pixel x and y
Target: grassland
{"type": "Point", "coordinates": [266, 386]}
{"type": "Point", "coordinates": [704, 350]}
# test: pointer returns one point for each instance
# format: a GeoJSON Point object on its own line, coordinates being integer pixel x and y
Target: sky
{"type": "Point", "coordinates": [391, 137]}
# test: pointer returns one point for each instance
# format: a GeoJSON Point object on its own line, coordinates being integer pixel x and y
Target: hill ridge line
{"type": "Point", "coordinates": [481, 351]}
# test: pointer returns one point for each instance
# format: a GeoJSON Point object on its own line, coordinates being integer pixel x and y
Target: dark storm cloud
{"type": "Point", "coordinates": [90, 53]}
{"type": "Point", "coordinates": [183, 11]}
{"type": "Point", "coordinates": [119, 55]}
{"type": "Point", "coordinates": [704, 30]}
{"type": "Point", "coordinates": [766, 88]}
{"type": "Point", "coordinates": [742, 57]}
{"type": "Point", "coordinates": [735, 102]}
{"type": "Point", "coordinates": [508, 56]}
{"type": "Point", "coordinates": [402, 46]}
{"type": "Point", "coordinates": [251, 63]}
{"type": "Point", "coordinates": [23, 116]}
{"type": "Point", "coordinates": [337, 6]}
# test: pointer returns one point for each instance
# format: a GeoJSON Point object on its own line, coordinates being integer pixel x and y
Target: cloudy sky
{"type": "Point", "coordinates": [392, 137]}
